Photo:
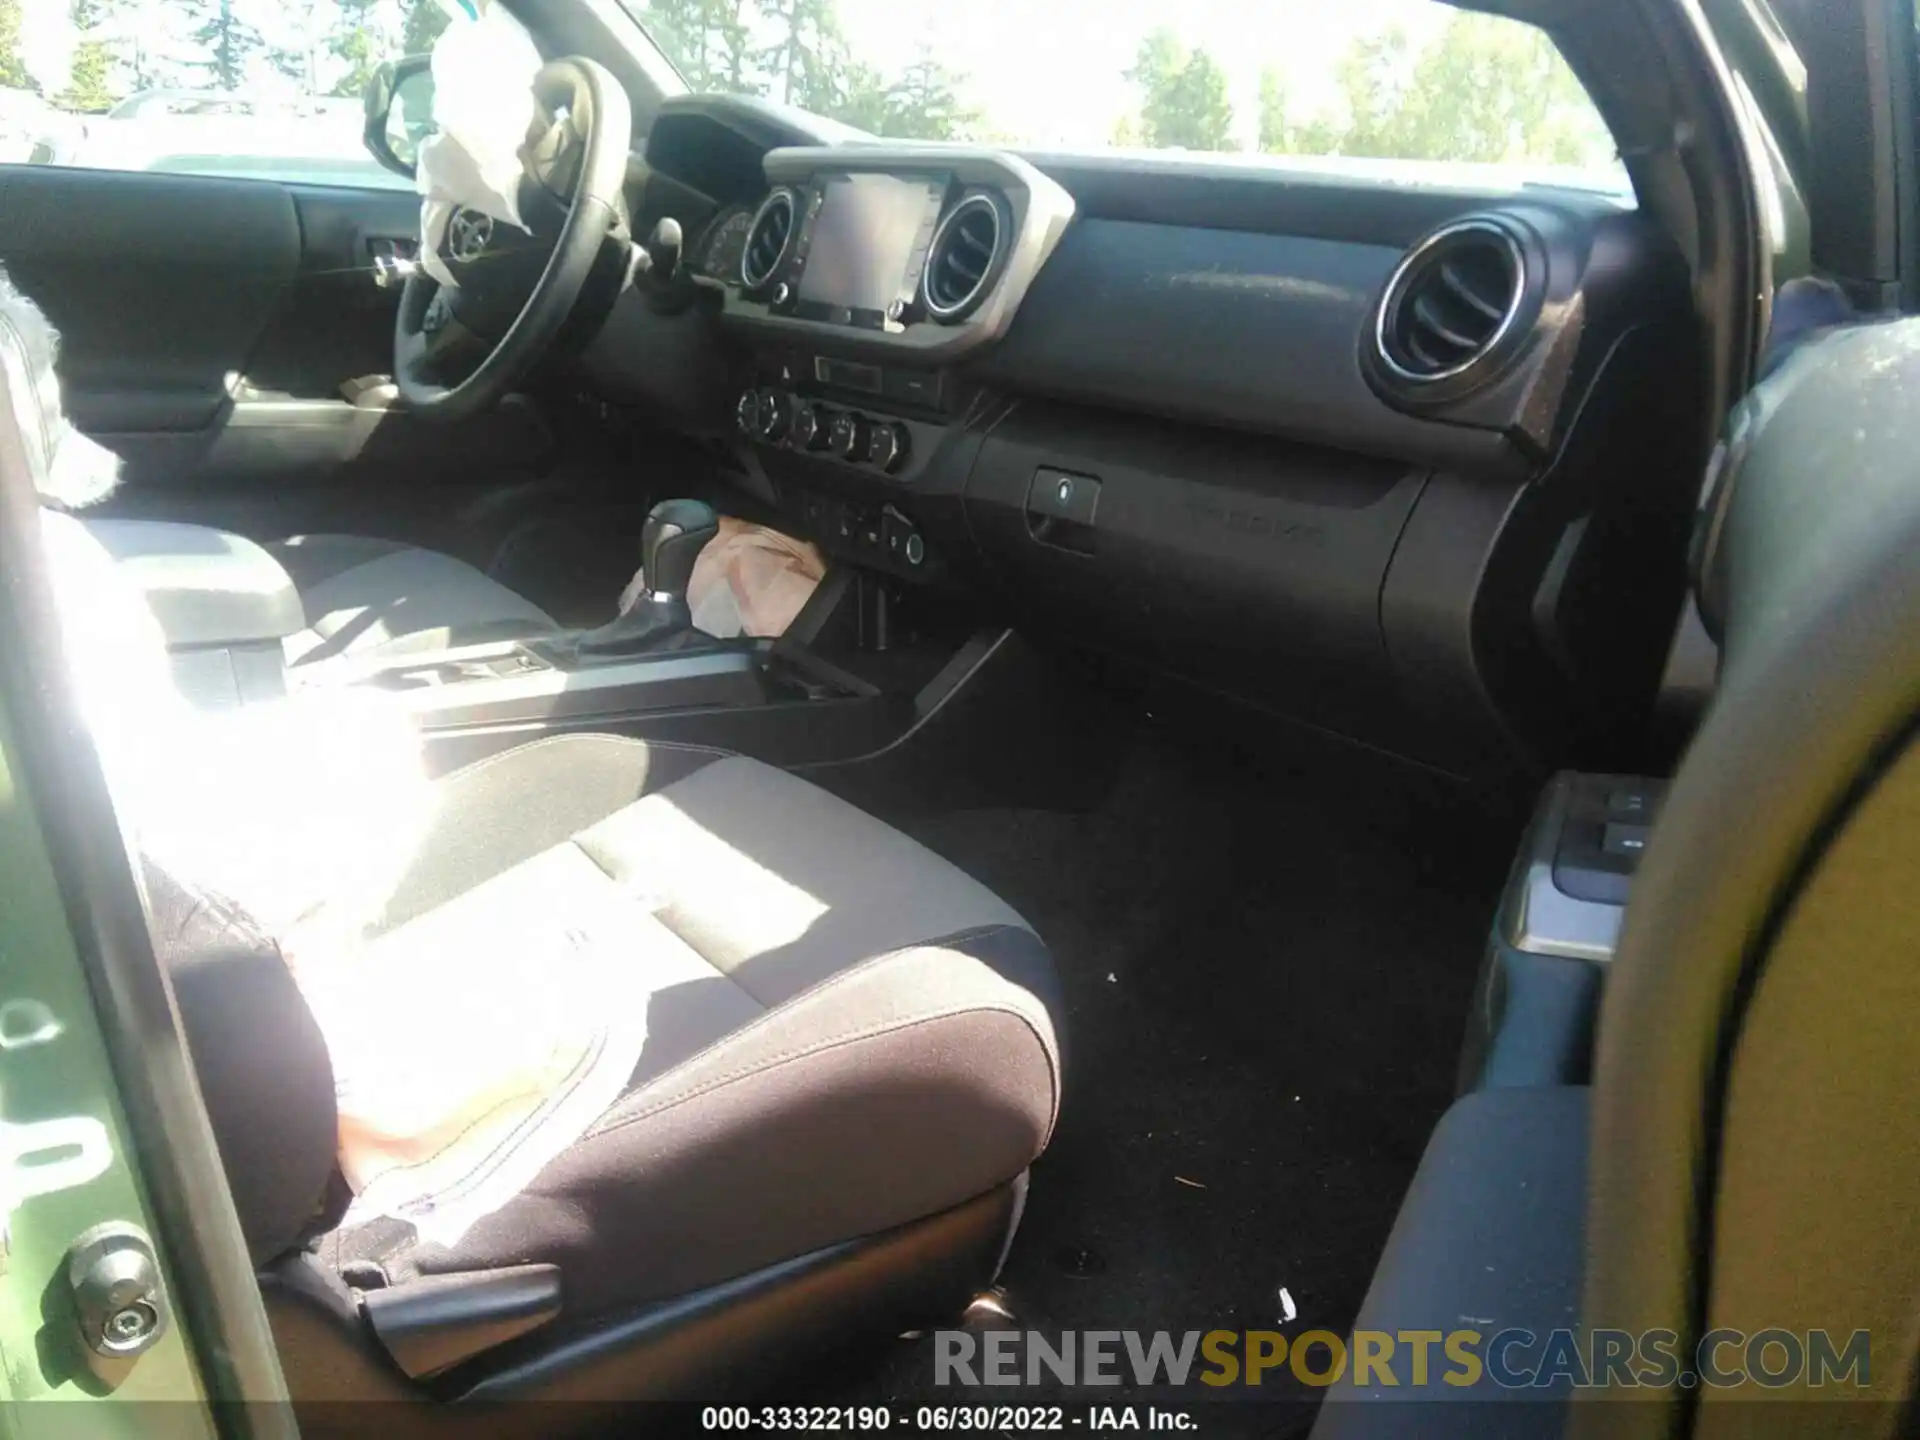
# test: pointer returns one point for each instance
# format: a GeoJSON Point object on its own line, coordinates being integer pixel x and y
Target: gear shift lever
{"type": "Point", "coordinates": [659, 271]}
{"type": "Point", "coordinates": [671, 541]}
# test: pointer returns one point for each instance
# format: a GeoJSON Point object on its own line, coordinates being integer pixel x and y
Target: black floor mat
{"type": "Point", "coordinates": [1267, 972]}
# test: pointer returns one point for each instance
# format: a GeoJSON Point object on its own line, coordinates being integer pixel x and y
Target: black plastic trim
{"type": "Point", "coordinates": [434, 1322]}
{"type": "Point", "coordinates": [1210, 193]}
{"type": "Point", "coordinates": [719, 1345]}
{"type": "Point", "coordinates": [1249, 331]}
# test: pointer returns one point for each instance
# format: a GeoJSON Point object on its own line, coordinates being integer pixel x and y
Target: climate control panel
{"type": "Point", "coordinates": [778, 417]}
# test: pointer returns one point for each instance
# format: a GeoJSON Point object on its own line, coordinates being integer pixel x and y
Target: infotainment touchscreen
{"type": "Point", "coordinates": [868, 241]}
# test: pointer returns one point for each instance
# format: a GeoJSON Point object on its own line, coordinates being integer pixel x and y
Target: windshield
{"type": "Point", "coordinates": [1355, 81]}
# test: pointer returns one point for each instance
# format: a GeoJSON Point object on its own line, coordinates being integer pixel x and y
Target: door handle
{"type": "Point", "coordinates": [395, 258]}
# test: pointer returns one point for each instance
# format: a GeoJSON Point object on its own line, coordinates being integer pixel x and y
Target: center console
{"type": "Point", "coordinates": [863, 277]}
{"type": "Point", "coordinates": [515, 683]}
{"type": "Point", "coordinates": [646, 660]}
{"type": "Point", "coordinates": [649, 673]}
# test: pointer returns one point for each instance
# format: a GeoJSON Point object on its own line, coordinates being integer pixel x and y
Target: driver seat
{"type": "Point", "coordinates": [657, 1072]}
{"type": "Point", "coordinates": [370, 598]}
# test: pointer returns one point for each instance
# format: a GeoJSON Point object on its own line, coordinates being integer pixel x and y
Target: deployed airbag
{"type": "Point", "coordinates": [749, 580]}
{"type": "Point", "coordinates": [483, 72]}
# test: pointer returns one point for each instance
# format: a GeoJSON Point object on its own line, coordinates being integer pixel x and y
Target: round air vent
{"type": "Point", "coordinates": [1450, 303]}
{"type": "Point", "coordinates": [767, 239]}
{"type": "Point", "coordinates": [963, 261]}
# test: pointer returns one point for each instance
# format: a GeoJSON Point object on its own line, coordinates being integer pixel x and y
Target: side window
{"type": "Point", "coordinates": [256, 89]}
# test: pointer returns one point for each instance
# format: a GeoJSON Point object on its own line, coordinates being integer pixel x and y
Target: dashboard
{"type": "Point", "coordinates": [1412, 463]}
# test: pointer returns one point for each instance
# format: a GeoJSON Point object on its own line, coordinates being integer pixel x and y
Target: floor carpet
{"type": "Point", "coordinates": [1267, 966]}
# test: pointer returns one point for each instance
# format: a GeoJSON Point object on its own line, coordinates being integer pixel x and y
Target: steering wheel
{"type": "Point", "coordinates": [577, 148]}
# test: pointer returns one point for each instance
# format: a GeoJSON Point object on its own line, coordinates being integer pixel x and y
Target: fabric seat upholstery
{"type": "Point", "coordinates": [367, 597]}
{"type": "Point", "coordinates": [843, 1033]}
{"type": "Point", "coordinates": [825, 1031]}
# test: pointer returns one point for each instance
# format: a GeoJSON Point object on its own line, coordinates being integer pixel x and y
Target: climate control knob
{"type": "Point", "coordinates": [889, 446]}
{"type": "Point", "coordinates": [849, 436]}
{"type": "Point", "coordinates": [773, 414]}
{"type": "Point", "coordinates": [810, 427]}
{"type": "Point", "coordinates": [747, 413]}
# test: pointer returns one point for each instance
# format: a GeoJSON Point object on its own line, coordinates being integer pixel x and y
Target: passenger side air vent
{"type": "Point", "coordinates": [767, 240]}
{"type": "Point", "coordinates": [1451, 303]}
{"type": "Point", "coordinates": [964, 260]}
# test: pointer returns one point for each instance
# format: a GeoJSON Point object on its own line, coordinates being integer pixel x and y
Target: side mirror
{"type": "Point", "coordinates": [400, 112]}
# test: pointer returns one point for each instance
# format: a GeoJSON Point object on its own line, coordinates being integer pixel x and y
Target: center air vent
{"type": "Point", "coordinates": [1451, 303]}
{"type": "Point", "coordinates": [961, 264]}
{"type": "Point", "coordinates": [767, 239]}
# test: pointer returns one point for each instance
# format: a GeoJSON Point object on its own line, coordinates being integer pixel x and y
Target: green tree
{"type": "Point", "coordinates": [862, 98]}
{"type": "Point", "coordinates": [926, 104]}
{"type": "Point", "coordinates": [90, 75]}
{"type": "Point", "coordinates": [1183, 96]}
{"type": "Point", "coordinates": [358, 43]}
{"type": "Point", "coordinates": [135, 66]}
{"type": "Point", "coordinates": [711, 42]}
{"type": "Point", "coordinates": [1485, 89]}
{"type": "Point", "coordinates": [224, 43]}
{"type": "Point", "coordinates": [794, 51]}
{"type": "Point", "coordinates": [1280, 133]}
{"type": "Point", "coordinates": [13, 69]}
{"type": "Point", "coordinates": [426, 22]}
{"type": "Point", "coordinates": [1493, 90]}
{"type": "Point", "coordinates": [299, 60]}
{"type": "Point", "coordinates": [1275, 133]}
{"type": "Point", "coordinates": [808, 63]}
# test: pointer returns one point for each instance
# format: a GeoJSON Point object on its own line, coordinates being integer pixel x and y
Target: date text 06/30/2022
{"type": "Point", "coordinates": [922, 1419]}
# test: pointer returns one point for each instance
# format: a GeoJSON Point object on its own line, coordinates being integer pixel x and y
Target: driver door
{"type": "Point", "coordinates": [210, 246]}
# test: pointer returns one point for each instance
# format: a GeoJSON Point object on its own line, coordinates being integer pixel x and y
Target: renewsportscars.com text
{"type": "Point", "coordinates": [1510, 1359]}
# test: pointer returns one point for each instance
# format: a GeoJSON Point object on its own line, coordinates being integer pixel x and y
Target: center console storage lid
{"type": "Point", "coordinates": [205, 587]}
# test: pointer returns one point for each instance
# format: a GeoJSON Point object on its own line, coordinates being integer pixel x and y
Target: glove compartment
{"type": "Point", "coordinates": [1248, 564]}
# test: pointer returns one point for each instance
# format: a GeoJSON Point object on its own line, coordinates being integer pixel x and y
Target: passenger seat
{"type": "Point", "coordinates": [1747, 1155]}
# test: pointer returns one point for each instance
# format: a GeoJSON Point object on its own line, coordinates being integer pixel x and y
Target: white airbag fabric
{"type": "Point", "coordinates": [68, 468]}
{"type": "Point", "coordinates": [483, 71]}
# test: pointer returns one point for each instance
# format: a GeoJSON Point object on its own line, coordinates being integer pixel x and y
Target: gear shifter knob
{"type": "Point", "coordinates": [672, 539]}
{"type": "Point", "coordinates": [665, 247]}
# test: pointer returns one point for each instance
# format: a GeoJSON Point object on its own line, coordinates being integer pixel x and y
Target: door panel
{"type": "Point", "coordinates": [207, 327]}
{"type": "Point", "coordinates": [159, 286]}
{"type": "Point", "coordinates": [337, 324]}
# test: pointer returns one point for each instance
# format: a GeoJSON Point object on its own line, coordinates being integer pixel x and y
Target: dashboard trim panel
{"type": "Point", "coordinates": [1041, 212]}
